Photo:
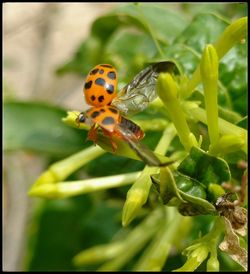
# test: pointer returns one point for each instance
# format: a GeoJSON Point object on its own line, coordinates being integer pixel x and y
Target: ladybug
{"type": "Point", "coordinates": [108, 109]}
{"type": "Point", "coordinates": [100, 85]}
{"type": "Point", "coordinates": [113, 124]}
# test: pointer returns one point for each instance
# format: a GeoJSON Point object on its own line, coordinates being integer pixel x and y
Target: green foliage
{"type": "Point", "coordinates": [65, 227]}
{"type": "Point", "coordinates": [37, 127]}
{"type": "Point", "coordinates": [205, 168]}
{"type": "Point", "coordinates": [115, 36]}
{"type": "Point", "coordinates": [80, 233]}
{"type": "Point", "coordinates": [233, 74]}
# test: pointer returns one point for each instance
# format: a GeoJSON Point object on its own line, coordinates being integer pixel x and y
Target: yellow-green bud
{"type": "Point", "coordinates": [213, 264]}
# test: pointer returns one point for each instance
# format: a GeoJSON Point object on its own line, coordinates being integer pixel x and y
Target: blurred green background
{"type": "Point", "coordinates": [48, 50]}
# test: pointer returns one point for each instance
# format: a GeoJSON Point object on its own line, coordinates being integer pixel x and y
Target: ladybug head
{"type": "Point", "coordinates": [82, 118]}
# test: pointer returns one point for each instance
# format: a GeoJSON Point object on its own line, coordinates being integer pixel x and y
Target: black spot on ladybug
{"type": "Point", "coordinates": [101, 71]}
{"type": "Point", "coordinates": [101, 98]}
{"type": "Point", "coordinates": [113, 110]}
{"type": "Point", "coordinates": [92, 97]}
{"type": "Point", "coordinates": [95, 114]}
{"type": "Point", "coordinates": [94, 71]}
{"type": "Point", "coordinates": [106, 66]}
{"type": "Point", "coordinates": [108, 121]}
{"type": "Point", "coordinates": [102, 110]}
{"type": "Point", "coordinates": [88, 85]}
{"type": "Point", "coordinates": [111, 75]}
{"type": "Point", "coordinates": [100, 82]}
{"type": "Point", "coordinates": [110, 89]}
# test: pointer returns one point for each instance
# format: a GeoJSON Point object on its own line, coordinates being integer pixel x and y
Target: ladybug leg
{"type": "Point", "coordinates": [112, 142]}
{"type": "Point", "coordinates": [92, 134]}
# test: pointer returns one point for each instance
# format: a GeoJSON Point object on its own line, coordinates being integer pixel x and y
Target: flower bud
{"type": "Point", "coordinates": [213, 264]}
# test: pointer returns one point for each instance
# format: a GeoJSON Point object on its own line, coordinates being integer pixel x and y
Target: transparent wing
{"type": "Point", "coordinates": [143, 152]}
{"type": "Point", "coordinates": [136, 95]}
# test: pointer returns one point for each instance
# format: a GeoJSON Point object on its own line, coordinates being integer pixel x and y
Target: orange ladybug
{"type": "Point", "coordinates": [113, 124]}
{"type": "Point", "coordinates": [108, 108]}
{"type": "Point", "coordinates": [100, 85]}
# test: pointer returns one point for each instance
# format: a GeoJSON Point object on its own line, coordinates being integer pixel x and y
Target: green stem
{"type": "Point", "coordinates": [98, 253]}
{"type": "Point", "coordinates": [69, 165]}
{"type": "Point", "coordinates": [62, 169]}
{"type": "Point", "coordinates": [167, 91]}
{"type": "Point", "coordinates": [73, 188]}
{"type": "Point", "coordinates": [154, 257]}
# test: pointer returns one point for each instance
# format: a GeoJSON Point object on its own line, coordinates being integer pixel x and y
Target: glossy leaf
{"type": "Point", "coordinates": [196, 36]}
{"type": "Point", "coordinates": [38, 127]}
{"type": "Point", "coordinates": [187, 47]}
{"type": "Point", "coordinates": [185, 193]}
{"type": "Point", "coordinates": [205, 168]}
{"type": "Point", "coordinates": [233, 75]}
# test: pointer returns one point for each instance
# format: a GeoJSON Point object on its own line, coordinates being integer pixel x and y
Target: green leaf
{"type": "Point", "coordinates": [104, 26]}
{"type": "Point", "coordinates": [186, 49]}
{"type": "Point", "coordinates": [185, 193]}
{"type": "Point", "coordinates": [165, 23]}
{"type": "Point", "coordinates": [204, 29]}
{"type": "Point", "coordinates": [186, 57]}
{"type": "Point", "coordinates": [195, 206]}
{"type": "Point", "coordinates": [189, 185]}
{"type": "Point", "coordinates": [121, 51]}
{"type": "Point", "coordinates": [229, 9]}
{"type": "Point", "coordinates": [108, 29]}
{"type": "Point", "coordinates": [38, 127]}
{"type": "Point", "coordinates": [233, 75]}
{"type": "Point", "coordinates": [205, 168]}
